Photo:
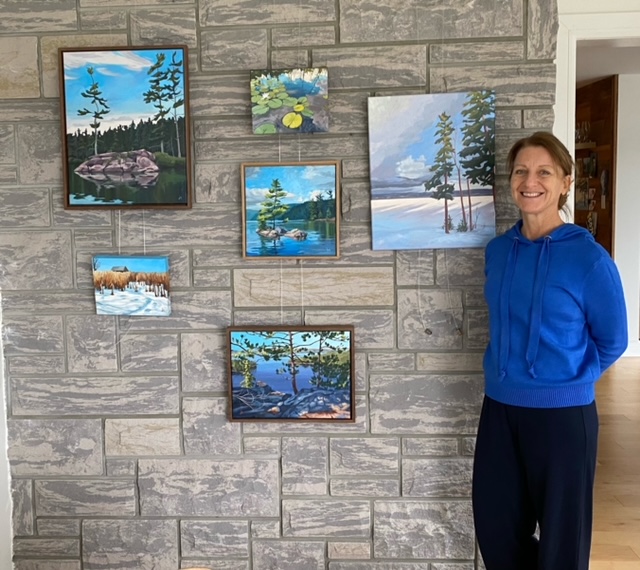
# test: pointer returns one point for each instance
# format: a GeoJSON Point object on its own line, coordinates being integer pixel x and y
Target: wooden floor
{"type": "Point", "coordinates": [616, 535]}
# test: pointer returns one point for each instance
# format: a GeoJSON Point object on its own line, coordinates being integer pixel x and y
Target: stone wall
{"type": "Point", "coordinates": [120, 451]}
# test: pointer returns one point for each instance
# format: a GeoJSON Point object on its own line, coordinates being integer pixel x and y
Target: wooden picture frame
{"type": "Point", "coordinates": [125, 127]}
{"type": "Point", "coordinates": [291, 373]}
{"type": "Point", "coordinates": [290, 210]}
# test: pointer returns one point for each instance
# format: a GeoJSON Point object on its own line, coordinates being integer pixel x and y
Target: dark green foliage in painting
{"type": "Point", "coordinates": [272, 208]}
{"type": "Point", "coordinates": [477, 156]}
{"type": "Point", "coordinates": [100, 107]}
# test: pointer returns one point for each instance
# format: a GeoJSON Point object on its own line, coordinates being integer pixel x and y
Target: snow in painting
{"type": "Point", "coordinates": [131, 285]}
{"type": "Point", "coordinates": [432, 164]}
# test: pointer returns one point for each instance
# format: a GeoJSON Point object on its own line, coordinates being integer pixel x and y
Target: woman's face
{"type": "Point", "coordinates": [537, 182]}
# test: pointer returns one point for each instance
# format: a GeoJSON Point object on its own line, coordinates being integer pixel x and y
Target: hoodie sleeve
{"type": "Point", "coordinates": [605, 311]}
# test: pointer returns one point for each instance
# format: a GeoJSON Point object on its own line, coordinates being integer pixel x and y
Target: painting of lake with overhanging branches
{"type": "Point", "coordinates": [125, 127]}
{"type": "Point", "coordinates": [289, 210]}
{"type": "Point", "coordinates": [291, 373]}
{"type": "Point", "coordinates": [432, 170]}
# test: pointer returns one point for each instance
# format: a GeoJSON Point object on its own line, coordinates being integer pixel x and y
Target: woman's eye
{"type": "Point", "coordinates": [519, 171]}
{"type": "Point", "coordinates": [544, 173]}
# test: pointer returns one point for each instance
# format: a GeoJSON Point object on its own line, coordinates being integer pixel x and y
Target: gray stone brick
{"type": "Point", "coordinates": [22, 507]}
{"type": "Point", "coordinates": [542, 29]}
{"type": "Point", "coordinates": [164, 27]}
{"type": "Point", "coordinates": [415, 268]}
{"type": "Point", "coordinates": [98, 497]}
{"type": "Point", "coordinates": [326, 518]}
{"type": "Point", "coordinates": [39, 153]}
{"type": "Point", "coordinates": [91, 344]}
{"type": "Point", "coordinates": [436, 310]}
{"type": "Point", "coordinates": [290, 59]}
{"type": "Point", "coordinates": [101, 396]}
{"type": "Point", "coordinates": [529, 84]}
{"type": "Point", "coordinates": [396, 20]}
{"type": "Point", "coordinates": [58, 527]}
{"type": "Point", "coordinates": [121, 467]}
{"type": "Point", "coordinates": [7, 146]}
{"type": "Point", "coordinates": [217, 182]}
{"type": "Point", "coordinates": [265, 529]}
{"type": "Point", "coordinates": [91, 240]}
{"type": "Point", "coordinates": [203, 361]}
{"type": "Point", "coordinates": [39, 260]}
{"type": "Point", "coordinates": [78, 219]}
{"type": "Point", "coordinates": [355, 168]}
{"type": "Point", "coordinates": [31, 110]}
{"type": "Point", "coordinates": [55, 447]}
{"type": "Point", "coordinates": [223, 128]}
{"type": "Point", "coordinates": [356, 201]}
{"type": "Point", "coordinates": [214, 538]}
{"type": "Point", "coordinates": [203, 487]}
{"type": "Point", "coordinates": [220, 95]}
{"type": "Point", "coordinates": [374, 488]}
{"type": "Point", "coordinates": [49, 301]}
{"type": "Point", "coordinates": [262, 445]}
{"type": "Point", "coordinates": [436, 477]}
{"type": "Point", "coordinates": [304, 466]}
{"type": "Point", "coordinates": [237, 12]}
{"type": "Point", "coordinates": [440, 446]}
{"type": "Point", "coordinates": [233, 50]}
{"type": "Point", "coordinates": [379, 566]}
{"type": "Point", "coordinates": [508, 119]}
{"type": "Point", "coordinates": [20, 365]}
{"type": "Point", "coordinates": [373, 329]}
{"type": "Point", "coordinates": [299, 35]}
{"type": "Point", "coordinates": [477, 328]}
{"type": "Point", "coordinates": [38, 16]}
{"type": "Point", "coordinates": [47, 565]}
{"type": "Point", "coordinates": [212, 278]}
{"type": "Point", "coordinates": [215, 563]}
{"type": "Point", "coordinates": [439, 404]}
{"type": "Point", "coordinates": [60, 547]}
{"type": "Point", "coordinates": [360, 363]}
{"type": "Point", "coordinates": [102, 20]}
{"type": "Point", "coordinates": [474, 296]}
{"type": "Point", "coordinates": [449, 362]}
{"type": "Point", "coordinates": [216, 257]}
{"type": "Point", "coordinates": [373, 67]}
{"type": "Point", "coordinates": [391, 361]}
{"type": "Point", "coordinates": [364, 456]}
{"type": "Point", "coordinates": [149, 353]}
{"type": "Point", "coordinates": [355, 248]}
{"type": "Point", "coordinates": [142, 544]}
{"type": "Point", "coordinates": [288, 555]}
{"type": "Point", "coordinates": [470, 52]}
{"type": "Point", "coordinates": [206, 429]}
{"type": "Point", "coordinates": [442, 529]}
{"type": "Point", "coordinates": [33, 334]}
{"type": "Point", "coordinates": [8, 175]}
{"type": "Point", "coordinates": [459, 267]}
{"type": "Point", "coordinates": [189, 309]}
{"type": "Point", "coordinates": [453, 566]}
{"type": "Point", "coordinates": [275, 317]}
{"type": "Point", "coordinates": [19, 74]}
{"type": "Point", "coordinates": [539, 119]}
{"type": "Point", "coordinates": [349, 550]}
{"type": "Point", "coordinates": [141, 437]}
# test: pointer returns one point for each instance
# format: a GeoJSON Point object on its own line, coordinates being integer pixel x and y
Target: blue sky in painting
{"type": "Point", "coordinates": [301, 182]}
{"type": "Point", "coordinates": [134, 263]}
{"type": "Point", "coordinates": [402, 133]}
{"type": "Point", "coordinates": [280, 336]}
{"type": "Point", "coordinates": [122, 78]}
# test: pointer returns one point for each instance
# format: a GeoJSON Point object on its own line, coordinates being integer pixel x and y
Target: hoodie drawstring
{"type": "Point", "coordinates": [536, 306]}
{"type": "Point", "coordinates": [505, 293]}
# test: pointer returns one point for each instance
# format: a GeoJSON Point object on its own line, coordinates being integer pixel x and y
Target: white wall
{"type": "Point", "coordinates": [5, 496]}
{"type": "Point", "coordinates": [626, 215]}
{"type": "Point", "coordinates": [585, 20]}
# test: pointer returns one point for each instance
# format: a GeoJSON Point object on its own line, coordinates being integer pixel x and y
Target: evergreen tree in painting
{"type": "Point", "coordinates": [273, 207]}
{"type": "Point", "coordinates": [443, 167]}
{"type": "Point", "coordinates": [155, 95]}
{"type": "Point", "coordinates": [477, 156]}
{"type": "Point", "coordinates": [175, 95]}
{"type": "Point", "coordinates": [100, 107]}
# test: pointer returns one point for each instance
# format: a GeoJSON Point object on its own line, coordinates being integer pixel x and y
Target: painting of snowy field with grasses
{"type": "Point", "coordinates": [131, 285]}
{"type": "Point", "coordinates": [432, 163]}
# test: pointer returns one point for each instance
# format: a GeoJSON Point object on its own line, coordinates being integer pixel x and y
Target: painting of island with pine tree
{"type": "Point", "coordinates": [289, 210]}
{"type": "Point", "coordinates": [125, 127]}
{"type": "Point", "coordinates": [291, 373]}
{"type": "Point", "coordinates": [131, 285]}
{"type": "Point", "coordinates": [432, 162]}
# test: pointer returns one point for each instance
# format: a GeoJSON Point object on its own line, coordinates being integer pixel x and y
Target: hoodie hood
{"type": "Point", "coordinates": [564, 233]}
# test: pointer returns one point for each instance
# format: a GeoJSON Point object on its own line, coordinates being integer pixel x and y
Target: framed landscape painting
{"type": "Point", "coordinates": [290, 210]}
{"type": "Point", "coordinates": [432, 162]}
{"type": "Point", "coordinates": [281, 373]}
{"type": "Point", "coordinates": [125, 126]}
{"type": "Point", "coordinates": [131, 285]}
{"type": "Point", "coordinates": [289, 101]}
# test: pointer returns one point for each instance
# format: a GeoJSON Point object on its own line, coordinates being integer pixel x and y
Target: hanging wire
{"type": "Point", "coordinates": [281, 295]}
{"type": "Point", "coordinates": [144, 237]}
{"type": "Point", "coordinates": [426, 329]}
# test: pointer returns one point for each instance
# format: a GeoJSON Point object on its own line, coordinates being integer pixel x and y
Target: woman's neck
{"type": "Point", "coordinates": [534, 228]}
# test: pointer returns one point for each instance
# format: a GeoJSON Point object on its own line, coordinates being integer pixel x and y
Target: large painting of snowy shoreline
{"type": "Point", "coordinates": [291, 373]}
{"type": "Point", "coordinates": [432, 164]}
{"type": "Point", "coordinates": [132, 285]}
{"type": "Point", "coordinates": [289, 210]}
{"type": "Point", "coordinates": [125, 127]}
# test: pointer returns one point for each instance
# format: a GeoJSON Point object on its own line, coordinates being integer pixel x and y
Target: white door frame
{"type": "Point", "coordinates": [6, 534]}
{"type": "Point", "coordinates": [574, 28]}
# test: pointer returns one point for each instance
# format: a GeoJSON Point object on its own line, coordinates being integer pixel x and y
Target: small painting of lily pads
{"type": "Point", "coordinates": [290, 101]}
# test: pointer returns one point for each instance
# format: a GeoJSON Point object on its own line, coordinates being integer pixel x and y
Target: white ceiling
{"type": "Point", "coordinates": [596, 59]}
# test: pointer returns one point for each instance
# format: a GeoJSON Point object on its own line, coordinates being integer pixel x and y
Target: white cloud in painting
{"type": "Point", "coordinates": [126, 59]}
{"type": "Point", "coordinates": [413, 168]}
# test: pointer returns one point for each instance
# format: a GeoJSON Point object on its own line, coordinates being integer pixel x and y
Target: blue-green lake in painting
{"type": "Point", "coordinates": [320, 241]}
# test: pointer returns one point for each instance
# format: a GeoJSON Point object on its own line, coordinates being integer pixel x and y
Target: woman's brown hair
{"type": "Point", "coordinates": [559, 153]}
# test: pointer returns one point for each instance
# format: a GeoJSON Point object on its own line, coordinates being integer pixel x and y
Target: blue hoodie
{"type": "Point", "coordinates": [557, 318]}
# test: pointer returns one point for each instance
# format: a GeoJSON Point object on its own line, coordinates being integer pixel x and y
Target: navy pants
{"type": "Point", "coordinates": [535, 466]}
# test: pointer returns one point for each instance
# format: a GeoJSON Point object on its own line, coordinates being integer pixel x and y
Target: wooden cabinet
{"type": "Point", "coordinates": [595, 154]}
